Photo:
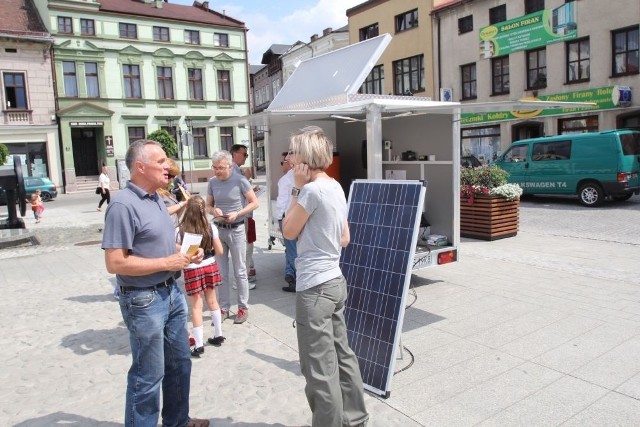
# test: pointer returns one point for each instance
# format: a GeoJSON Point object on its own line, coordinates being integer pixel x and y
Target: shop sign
{"type": "Point", "coordinates": [85, 124]}
{"type": "Point", "coordinates": [108, 145]}
{"type": "Point", "coordinates": [530, 31]}
{"type": "Point", "coordinates": [604, 98]}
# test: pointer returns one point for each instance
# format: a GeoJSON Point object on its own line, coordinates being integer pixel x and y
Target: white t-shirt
{"type": "Point", "coordinates": [285, 184]}
{"type": "Point", "coordinates": [319, 247]}
{"type": "Point", "coordinates": [104, 181]}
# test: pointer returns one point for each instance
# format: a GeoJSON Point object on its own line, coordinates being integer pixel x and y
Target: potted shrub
{"type": "Point", "coordinates": [489, 207]}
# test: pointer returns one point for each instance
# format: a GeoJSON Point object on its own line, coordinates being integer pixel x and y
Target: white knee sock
{"type": "Point", "coordinates": [197, 335]}
{"type": "Point", "coordinates": [216, 320]}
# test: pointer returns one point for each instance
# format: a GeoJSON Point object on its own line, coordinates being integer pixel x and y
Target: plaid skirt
{"type": "Point", "coordinates": [196, 280]}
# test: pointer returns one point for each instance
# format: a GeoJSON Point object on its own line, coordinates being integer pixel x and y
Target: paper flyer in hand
{"type": "Point", "coordinates": [190, 244]}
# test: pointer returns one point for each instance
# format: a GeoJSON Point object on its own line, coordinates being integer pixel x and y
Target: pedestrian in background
{"type": "Point", "coordinates": [285, 185]}
{"type": "Point", "coordinates": [37, 207]}
{"type": "Point", "coordinates": [230, 199]}
{"type": "Point", "coordinates": [202, 279]}
{"type": "Point", "coordinates": [140, 248]}
{"type": "Point", "coordinates": [103, 183]}
{"type": "Point", "coordinates": [317, 217]}
{"type": "Point", "coordinates": [239, 156]}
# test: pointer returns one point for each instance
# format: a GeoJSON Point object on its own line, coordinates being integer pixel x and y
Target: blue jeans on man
{"type": "Point", "coordinates": [157, 324]}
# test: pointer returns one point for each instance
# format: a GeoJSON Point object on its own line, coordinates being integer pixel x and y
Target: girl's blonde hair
{"type": "Point", "coordinates": [194, 220]}
{"type": "Point", "coordinates": [313, 147]}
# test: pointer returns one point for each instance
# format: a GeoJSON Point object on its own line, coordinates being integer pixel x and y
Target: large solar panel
{"type": "Point", "coordinates": [384, 217]}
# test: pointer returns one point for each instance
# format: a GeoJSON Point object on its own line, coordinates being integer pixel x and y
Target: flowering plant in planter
{"type": "Point", "coordinates": [489, 181]}
{"type": "Point", "coordinates": [507, 191]}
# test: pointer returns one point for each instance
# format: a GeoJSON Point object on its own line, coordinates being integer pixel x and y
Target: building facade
{"type": "Point", "coordinates": [405, 67]}
{"type": "Point", "coordinates": [557, 50]}
{"type": "Point", "coordinates": [126, 68]}
{"type": "Point", "coordinates": [28, 126]}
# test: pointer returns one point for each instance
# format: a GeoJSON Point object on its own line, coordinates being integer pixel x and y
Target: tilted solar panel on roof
{"type": "Point", "coordinates": [384, 217]}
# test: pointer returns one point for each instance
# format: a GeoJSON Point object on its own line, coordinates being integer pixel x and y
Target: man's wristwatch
{"type": "Point", "coordinates": [295, 191]}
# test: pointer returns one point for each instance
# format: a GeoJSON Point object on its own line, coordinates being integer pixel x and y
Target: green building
{"type": "Point", "coordinates": [125, 68]}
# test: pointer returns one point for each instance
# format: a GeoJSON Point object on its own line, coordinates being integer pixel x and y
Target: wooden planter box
{"type": "Point", "coordinates": [489, 218]}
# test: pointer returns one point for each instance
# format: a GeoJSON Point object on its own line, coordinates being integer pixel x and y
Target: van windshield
{"type": "Point", "coordinates": [630, 144]}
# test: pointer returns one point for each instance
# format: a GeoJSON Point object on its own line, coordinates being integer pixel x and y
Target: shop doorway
{"type": "Point", "coordinates": [526, 131]}
{"type": "Point", "coordinates": [85, 151]}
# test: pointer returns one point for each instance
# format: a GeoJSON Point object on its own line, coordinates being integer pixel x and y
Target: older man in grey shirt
{"type": "Point", "coordinates": [230, 199]}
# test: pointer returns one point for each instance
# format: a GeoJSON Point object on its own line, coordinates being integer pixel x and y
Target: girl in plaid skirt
{"type": "Point", "coordinates": [202, 279]}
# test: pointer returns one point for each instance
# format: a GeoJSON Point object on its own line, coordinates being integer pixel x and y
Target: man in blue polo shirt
{"type": "Point", "coordinates": [140, 248]}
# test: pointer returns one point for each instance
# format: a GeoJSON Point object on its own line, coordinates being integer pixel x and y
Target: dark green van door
{"type": "Point", "coordinates": [514, 161]}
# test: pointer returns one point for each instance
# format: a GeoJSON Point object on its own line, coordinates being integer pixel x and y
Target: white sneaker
{"type": "Point", "coordinates": [252, 286]}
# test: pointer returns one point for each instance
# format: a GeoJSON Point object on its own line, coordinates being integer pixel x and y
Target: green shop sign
{"type": "Point", "coordinates": [529, 32]}
{"type": "Point", "coordinates": [604, 98]}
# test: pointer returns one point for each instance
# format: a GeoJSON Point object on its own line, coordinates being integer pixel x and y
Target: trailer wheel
{"type": "Point", "coordinates": [590, 194]}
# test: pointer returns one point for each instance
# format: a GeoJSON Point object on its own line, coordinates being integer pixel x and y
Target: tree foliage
{"type": "Point", "coordinates": [165, 139]}
{"type": "Point", "coordinates": [4, 153]}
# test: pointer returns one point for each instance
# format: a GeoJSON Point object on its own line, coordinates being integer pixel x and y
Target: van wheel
{"type": "Point", "coordinates": [622, 197]}
{"type": "Point", "coordinates": [590, 194]}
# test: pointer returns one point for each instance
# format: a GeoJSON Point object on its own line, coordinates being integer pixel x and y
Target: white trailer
{"type": "Point", "coordinates": [371, 133]}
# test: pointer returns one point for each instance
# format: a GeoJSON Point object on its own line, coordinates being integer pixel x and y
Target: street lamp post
{"type": "Point", "coordinates": [179, 135]}
{"type": "Point", "coordinates": [189, 123]}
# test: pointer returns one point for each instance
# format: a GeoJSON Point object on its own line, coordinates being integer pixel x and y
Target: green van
{"type": "Point", "coordinates": [592, 165]}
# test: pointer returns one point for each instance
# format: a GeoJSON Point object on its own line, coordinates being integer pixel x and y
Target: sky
{"type": "Point", "coordinates": [281, 21]}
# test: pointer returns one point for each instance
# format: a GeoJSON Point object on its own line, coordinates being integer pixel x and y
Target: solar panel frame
{"type": "Point", "coordinates": [384, 219]}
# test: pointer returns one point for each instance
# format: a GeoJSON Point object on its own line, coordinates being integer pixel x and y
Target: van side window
{"type": "Point", "coordinates": [555, 150]}
{"type": "Point", "coordinates": [517, 153]}
{"type": "Point", "coordinates": [630, 144]}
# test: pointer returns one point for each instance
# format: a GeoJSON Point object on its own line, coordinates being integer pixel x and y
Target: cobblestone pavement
{"type": "Point", "coordinates": [557, 216]}
{"type": "Point", "coordinates": [539, 329]}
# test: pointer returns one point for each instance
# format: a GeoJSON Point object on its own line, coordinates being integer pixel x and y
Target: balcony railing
{"type": "Point", "coordinates": [17, 117]}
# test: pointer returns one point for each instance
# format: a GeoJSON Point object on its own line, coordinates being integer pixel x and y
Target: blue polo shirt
{"type": "Point", "coordinates": [139, 222]}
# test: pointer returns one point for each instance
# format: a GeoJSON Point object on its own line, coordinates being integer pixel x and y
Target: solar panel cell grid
{"type": "Point", "coordinates": [383, 219]}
